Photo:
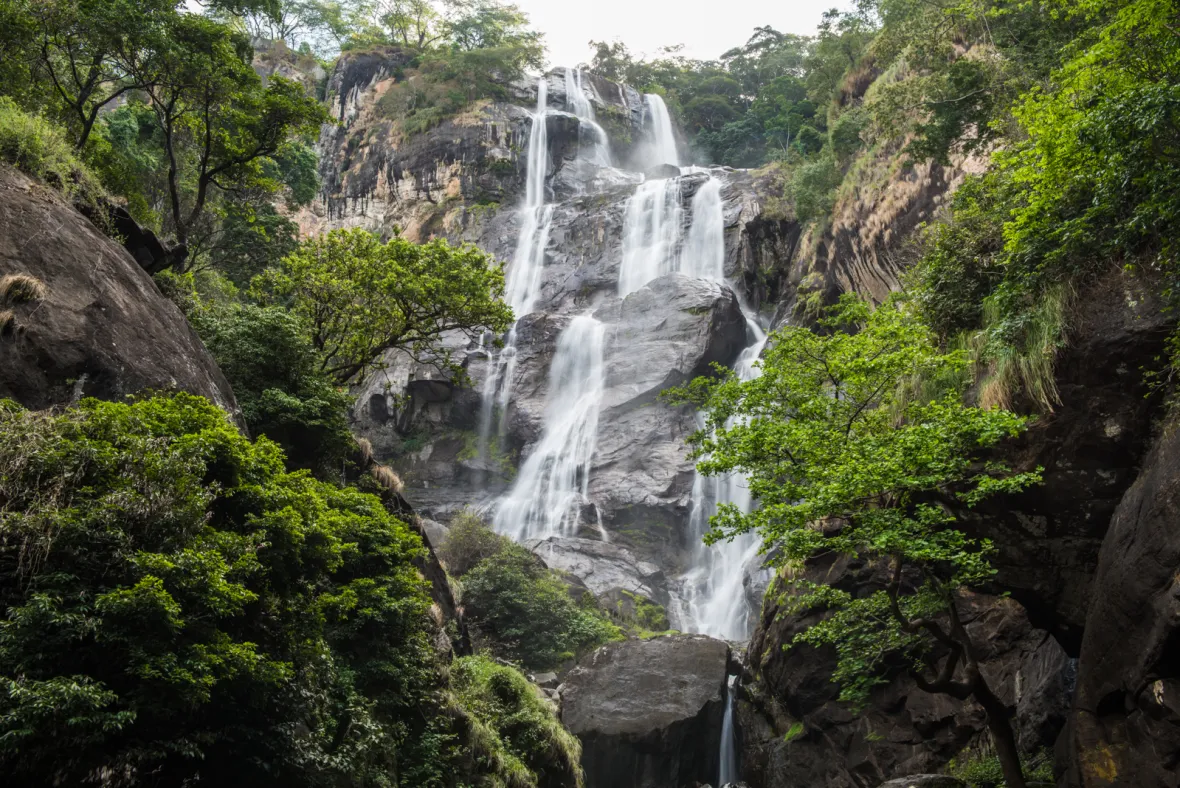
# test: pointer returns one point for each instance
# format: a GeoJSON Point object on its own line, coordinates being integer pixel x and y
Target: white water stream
{"type": "Point", "coordinates": [551, 487]}
{"type": "Point", "coordinates": [523, 283]}
{"type": "Point", "coordinates": [728, 772]}
{"type": "Point", "coordinates": [580, 105]}
{"type": "Point", "coordinates": [663, 139]}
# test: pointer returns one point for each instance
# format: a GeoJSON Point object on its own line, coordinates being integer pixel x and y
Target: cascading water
{"type": "Point", "coordinates": [728, 772]}
{"type": "Point", "coordinates": [524, 278]}
{"type": "Point", "coordinates": [652, 230]}
{"type": "Point", "coordinates": [654, 241]}
{"type": "Point", "coordinates": [713, 599]}
{"type": "Point", "coordinates": [579, 104]}
{"type": "Point", "coordinates": [663, 142]}
{"type": "Point", "coordinates": [704, 250]}
{"type": "Point", "coordinates": [552, 485]}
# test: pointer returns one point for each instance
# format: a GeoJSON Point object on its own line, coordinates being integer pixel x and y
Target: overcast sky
{"type": "Point", "coordinates": [705, 27]}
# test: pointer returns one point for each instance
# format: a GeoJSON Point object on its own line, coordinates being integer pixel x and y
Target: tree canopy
{"type": "Point", "coordinates": [360, 297]}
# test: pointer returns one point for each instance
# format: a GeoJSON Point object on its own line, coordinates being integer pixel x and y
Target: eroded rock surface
{"type": "Point", "coordinates": [648, 712]}
{"type": "Point", "coordinates": [103, 329]}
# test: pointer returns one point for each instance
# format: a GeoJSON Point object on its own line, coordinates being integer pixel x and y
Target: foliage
{"type": "Point", "coordinates": [844, 458]}
{"type": "Point", "coordinates": [272, 366]}
{"type": "Point", "coordinates": [511, 597]}
{"type": "Point", "coordinates": [983, 769]}
{"type": "Point", "coordinates": [179, 605]}
{"type": "Point", "coordinates": [516, 732]}
{"type": "Point", "coordinates": [359, 297]}
{"type": "Point", "coordinates": [469, 541]}
{"type": "Point", "coordinates": [35, 146]}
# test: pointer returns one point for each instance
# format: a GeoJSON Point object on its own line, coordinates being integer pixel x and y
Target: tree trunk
{"type": "Point", "coordinates": [999, 722]}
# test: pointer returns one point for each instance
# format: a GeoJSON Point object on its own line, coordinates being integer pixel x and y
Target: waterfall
{"type": "Point", "coordinates": [654, 242]}
{"type": "Point", "coordinates": [704, 251]}
{"type": "Point", "coordinates": [523, 284]}
{"type": "Point", "coordinates": [663, 146]}
{"type": "Point", "coordinates": [652, 228]}
{"type": "Point", "coordinates": [713, 596]}
{"type": "Point", "coordinates": [552, 484]}
{"type": "Point", "coordinates": [728, 772]}
{"type": "Point", "coordinates": [579, 104]}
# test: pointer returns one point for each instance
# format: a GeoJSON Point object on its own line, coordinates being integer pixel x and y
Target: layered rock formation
{"type": "Point", "coordinates": [102, 329]}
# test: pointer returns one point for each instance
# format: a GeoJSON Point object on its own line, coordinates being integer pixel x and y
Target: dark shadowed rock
{"type": "Point", "coordinates": [904, 730]}
{"type": "Point", "coordinates": [648, 712]}
{"type": "Point", "coordinates": [103, 329]}
{"type": "Point", "coordinates": [1126, 722]}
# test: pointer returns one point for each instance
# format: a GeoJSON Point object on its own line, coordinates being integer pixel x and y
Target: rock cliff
{"type": "Point", "coordinates": [102, 329]}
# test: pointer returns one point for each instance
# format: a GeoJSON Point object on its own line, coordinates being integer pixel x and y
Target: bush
{"type": "Point", "coordinates": [814, 188]}
{"type": "Point", "coordinates": [468, 542]}
{"type": "Point", "coordinates": [40, 149]}
{"type": "Point", "coordinates": [273, 368]}
{"type": "Point", "coordinates": [180, 605]}
{"type": "Point", "coordinates": [514, 731]}
{"type": "Point", "coordinates": [521, 606]}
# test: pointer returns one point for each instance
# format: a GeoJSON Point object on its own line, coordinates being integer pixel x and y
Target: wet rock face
{"type": "Point", "coordinates": [904, 730]}
{"type": "Point", "coordinates": [103, 329]}
{"type": "Point", "coordinates": [648, 712]}
{"type": "Point", "coordinates": [1126, 722]}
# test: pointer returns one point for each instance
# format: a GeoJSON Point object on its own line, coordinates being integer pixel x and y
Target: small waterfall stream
{"type": "Point", "coordinates": [728, 771]}
{"type": "Point", "coordinates": [523, 283]}
{"type": "Point", "coordinates": [663, 138]}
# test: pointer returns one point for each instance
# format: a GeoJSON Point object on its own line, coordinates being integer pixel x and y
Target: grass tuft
{"type": "Point", "coordinates": [21, 289]}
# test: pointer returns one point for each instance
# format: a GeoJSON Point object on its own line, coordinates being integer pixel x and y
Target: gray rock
{"type": "Point", "coordinates": [103, 329]}
{"type": "Point", "coordinates": [603, 567]}
{"type": "Point", "coordinates": [925, 781]}
{"type": "Point", "coordinates": [546, 680]}
{"type": "Point", "coordinates": [644, 708]}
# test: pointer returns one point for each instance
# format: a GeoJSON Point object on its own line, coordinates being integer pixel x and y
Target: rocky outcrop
{"type": "Point", "coordinates": [1126, 720]}
{"type": "Point", "coordinates": [604, 568]}
{"type": "Point", "coordinates": [1090, 446]}
{"type": "Point", "coordinates": [925, 781]}
{"type": "Point", "coordinates": [103, 329]}
{"type": "Point", "coordinates": [648, 712]}
{"type": "Point", "coordinates": [795, 731]}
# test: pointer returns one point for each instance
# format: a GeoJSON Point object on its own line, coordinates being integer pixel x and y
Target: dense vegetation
{"type": "Point", "coordinates": [526, 612]}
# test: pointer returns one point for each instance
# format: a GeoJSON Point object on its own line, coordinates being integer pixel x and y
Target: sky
{"type": "Point", "coordinates": [706, 28]}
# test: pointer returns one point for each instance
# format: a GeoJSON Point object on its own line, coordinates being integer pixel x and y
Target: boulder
{"type": "Point", "coordinates": [648, 712]}
{"type": "Point", "coordinates": [1126, 719]}
{"type": "Point", "coordinates": [103, 329]}
{"type": "Point", "coordinates": [602, 566]}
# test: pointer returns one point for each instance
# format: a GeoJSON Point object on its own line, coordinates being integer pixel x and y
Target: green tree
{"type": "Point", "coordinates": [178, 607]}
{"type": "Point", "coordinates": [855, 444]}
{"type": "Point", "coordinates": [218, 125]}
{"type": "Point", "coordinates": [359, 297]}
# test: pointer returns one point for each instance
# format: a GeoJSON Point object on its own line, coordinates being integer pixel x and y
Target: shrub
{"type": "Point", "coordinates": [468, 542]}
{"type": "Point", "coordinates": [179, 605]}
{"type": "Point", "coordinates": [524, 608]}
{"type": "Point", "coordinates": [514, 731]}
{"type": "Point", "coordinates": [40, 149]}
{"type": "Point", "coordinates": [814, 188]}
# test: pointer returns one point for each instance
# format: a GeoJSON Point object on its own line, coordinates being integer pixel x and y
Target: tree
{"type": "Point", "coordinates": [179, 608]}
{"type": "Point", "coordinates": [488, 24]}
{"type": "Point", "coordinates": [218, 124]}
{"type": "Point", "coordinates": [413, 23]}
{"type": "Point", "coordinates": [858, 444]}
{"type": "Point", "coordinates": [359, 297]}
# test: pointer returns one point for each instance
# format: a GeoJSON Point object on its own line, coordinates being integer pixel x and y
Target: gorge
{"type": "Point", "coordinates": [383, 405]}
